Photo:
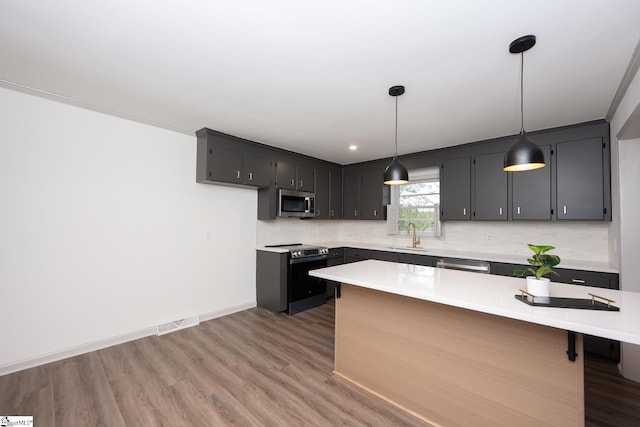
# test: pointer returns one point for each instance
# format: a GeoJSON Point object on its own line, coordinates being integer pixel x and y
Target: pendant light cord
{"type": "Point", "coordinates": [396, 155]}
{"type": "Point", "coordinates": [522, 91]}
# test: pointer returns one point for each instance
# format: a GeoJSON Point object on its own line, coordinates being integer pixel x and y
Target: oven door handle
{"type": "Point", "coordinates": [308, 259]}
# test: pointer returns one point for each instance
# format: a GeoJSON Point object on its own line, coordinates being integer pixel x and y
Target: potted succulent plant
{"type": "Point", "coordinates": [542, 264]}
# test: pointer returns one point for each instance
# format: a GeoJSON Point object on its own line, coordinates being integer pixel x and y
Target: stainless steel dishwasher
{"type": "Point", "coordinates": [464, 265]}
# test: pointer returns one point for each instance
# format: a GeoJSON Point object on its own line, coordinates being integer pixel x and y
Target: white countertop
{"type": "Point", "coordinates": [603, 267]}
{"type": "Point", "coordinates": [494, 295]}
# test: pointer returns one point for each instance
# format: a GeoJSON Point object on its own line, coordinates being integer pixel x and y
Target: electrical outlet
{"type": "Point", "coordinates": [489, 236]}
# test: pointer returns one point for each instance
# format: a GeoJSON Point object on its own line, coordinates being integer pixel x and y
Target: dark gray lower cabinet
{"type": "Point", "coordinates": [426, 260]}
{"type": "Point", "coordinates": [598, 346]}
{"type": "Point", "coordinates": [336, 257]}
{"type": "Point", "coordinates": [355, 254]}
{"type": "Point", "coordinates": [271, 280]}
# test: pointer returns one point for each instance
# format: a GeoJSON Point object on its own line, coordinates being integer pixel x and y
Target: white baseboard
{"type": "Point", "coordinates": [108, 342]}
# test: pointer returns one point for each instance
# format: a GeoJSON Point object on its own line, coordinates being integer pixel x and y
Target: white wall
{"type": "Point", "coordinates": [104, 231]}
{"type": "Point", "coordinates": [626, 202]}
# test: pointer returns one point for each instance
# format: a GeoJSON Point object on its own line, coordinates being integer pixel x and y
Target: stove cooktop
{"type": "Point", "coordinates": [298, 250]}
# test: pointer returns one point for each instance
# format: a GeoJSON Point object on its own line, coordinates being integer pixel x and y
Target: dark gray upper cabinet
{"type": "Point", "coordinates": [328, 193]}
{"type": "Point", "coordinates": [235, 166]}
{"type": "Point", "coordinates": [371, 188]}
{"type": "Point", "coordinates": [322, 193]}
{"type": "Point", "coordinates": [335, 193]}
{"type": "Point", "coordinates": [258, 171]}
{"type": "Point", "coordinates": [306, 178]}
{"type": "Point", "coordinates": [575, 184]}
{"type": "Point", "coordinates": [363, 192]}
{"type": "Point", "coordinates": [286, 175]}
{"type": "Point", "coordinates": [351, 195]}
{"type": "Point", "coordinates": [455, 189]}
{"type": "Point", "coordinates": [225, 165]}
{"type": "Point", "coordinates": [294, 177]}
{"type": "Point", "coordinates": [531, 191]}
{"type": "Point", "coordinates": [579, 180]}
{"type": "Point", "coordinates": [490, 187]}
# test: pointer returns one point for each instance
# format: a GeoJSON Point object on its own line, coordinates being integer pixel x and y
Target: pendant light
{"type": "Point", "coordinates": [396, 173]}
{"type": "Point", "coordinates": [524, 154]}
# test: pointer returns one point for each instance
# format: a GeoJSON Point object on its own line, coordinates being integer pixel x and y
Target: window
{"type": "Point", "coordinates": [417, 202]}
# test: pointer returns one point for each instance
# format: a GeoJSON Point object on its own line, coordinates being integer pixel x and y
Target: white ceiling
{"type": "Point", "coordinates": [313, 77]}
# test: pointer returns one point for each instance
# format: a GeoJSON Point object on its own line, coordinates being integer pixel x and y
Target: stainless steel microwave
{"type": "Point", "coordinates": [296, 204]}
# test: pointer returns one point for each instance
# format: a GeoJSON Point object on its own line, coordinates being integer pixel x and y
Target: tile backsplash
{"type": "Point", "coordinates": [586, 241]}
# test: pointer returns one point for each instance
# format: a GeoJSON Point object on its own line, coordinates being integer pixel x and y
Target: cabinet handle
{"type": "Point", "coordinates": [355, 212]}
{"type": "Point", "coordinates": [518, 210]}
{"type": "Point", "coordinates": [331, 213]}
{"type": "Point", "coordinates": [464, 211]}
{"type": "Point", "coordinates": [300, 184]}
{"type": "Point", "coordinates": [564, 209]}
{"type": "Point", "coordinates": [237, 174]}
{"type": "Point", "coordinates": [582, 282]}
{"type": "Point", "coordinates": [250, 176]}
{"type": "Point", "coordinates": [375, 212]}
{"type": "Point", "coordinates": [500, 211]}
{"type": "Point", "coordinates": [293, 183]}
{"type": "Point", "coordinates": [318, 212]}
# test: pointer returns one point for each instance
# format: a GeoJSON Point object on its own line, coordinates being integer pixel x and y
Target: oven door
{"type": "Point", "coordinates": [304, 291]}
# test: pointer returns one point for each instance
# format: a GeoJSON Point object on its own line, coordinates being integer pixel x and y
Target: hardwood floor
{"type": "Point", "coordinates": [251, 368]}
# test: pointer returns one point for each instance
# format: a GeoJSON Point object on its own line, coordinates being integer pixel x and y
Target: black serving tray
{"type": "Point", "coordinates": [580, 303]}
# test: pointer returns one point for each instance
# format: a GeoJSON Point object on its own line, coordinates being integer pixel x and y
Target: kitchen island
{"type": "Point", "coordinates": [457, 348]}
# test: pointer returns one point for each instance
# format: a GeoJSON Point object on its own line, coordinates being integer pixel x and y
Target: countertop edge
{"type": "Point", "coordinates": [505, 306]}
{"type": "Point", "coordinates": [599, 267]}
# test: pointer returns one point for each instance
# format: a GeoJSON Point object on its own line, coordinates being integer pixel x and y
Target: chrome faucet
{"type": "Point", "coordinates": [416, 238]}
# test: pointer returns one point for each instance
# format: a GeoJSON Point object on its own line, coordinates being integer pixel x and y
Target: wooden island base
{"type": "Point", "coordinates": [456, 367]}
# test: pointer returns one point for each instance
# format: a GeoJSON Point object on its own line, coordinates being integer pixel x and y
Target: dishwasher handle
{"type": "Point", "coordinates": [479, 267]}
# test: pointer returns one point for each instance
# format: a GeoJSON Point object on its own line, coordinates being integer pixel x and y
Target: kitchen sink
{"type": "Point", "coordinates": [408, 248]}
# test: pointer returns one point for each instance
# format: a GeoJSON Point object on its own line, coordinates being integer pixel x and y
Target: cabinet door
{"type": "Point", "coordinates": [336, 256]}
{"type": "Point", "coordinates": [335, 194]}
{"type": "Point", "coordinates": [356, 254]}
{"type": "Point", "coordinates": [225, 165]}
{"type": "Point", "coordinates": [286, 175]}
{"type": "Point", "coordinates": [579, 180]}
{"type": "Point", "coordinates": [490, 187]}
{"type": "Point", "coordinates": [351, 195]}
{"type": "Point", "coordinates": [305, 179]}
{"type": "Point", "coordinates": [531, 192]}
{"type": "Point", "coordinates": [371, 188]}
{"type": "Point", "coordinates": [258, 171]}
{"type": "Point", "coordinates": [455, 189]}
{"type": "Point", "coordinates": [415, 259]}
{"type": "Point", "coordinates": [322, 194]}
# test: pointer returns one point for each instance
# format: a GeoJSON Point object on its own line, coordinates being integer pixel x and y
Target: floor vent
{"type": "Point", "coordinates": [177, 325]}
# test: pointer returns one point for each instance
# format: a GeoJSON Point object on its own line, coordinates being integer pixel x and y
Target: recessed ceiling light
{"type": "Point", "coordinates": [353, 147]}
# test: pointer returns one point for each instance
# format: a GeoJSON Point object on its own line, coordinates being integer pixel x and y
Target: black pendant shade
{"type": "Point", "coordinates": [396, 173]}
{"type": "Point", "coordinates": [524, 154]}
